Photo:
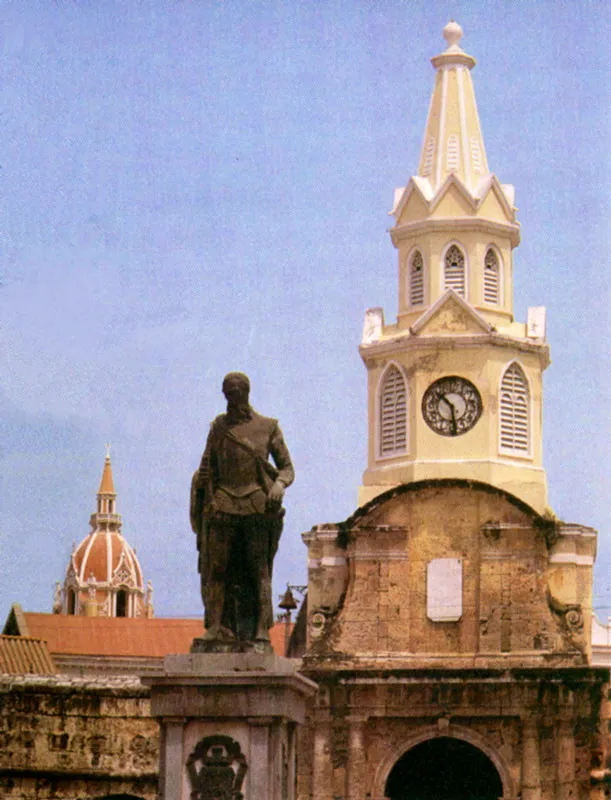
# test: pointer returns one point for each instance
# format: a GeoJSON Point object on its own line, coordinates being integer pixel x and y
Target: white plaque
{"type": "Point", "coordinates": [535, 327]}
{"type": "Point", "coordinates": [444, 590]}
{"type": "Point", "coordinates": [373, 326]}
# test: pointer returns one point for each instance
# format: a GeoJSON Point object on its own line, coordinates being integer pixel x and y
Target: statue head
{"type": "Point", "coordinates": [236, 387]}
{"type": "Point", "coordinates": [234, 382]}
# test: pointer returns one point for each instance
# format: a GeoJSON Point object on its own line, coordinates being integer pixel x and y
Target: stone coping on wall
{"type": "Point", "coordinates": [128, 684]}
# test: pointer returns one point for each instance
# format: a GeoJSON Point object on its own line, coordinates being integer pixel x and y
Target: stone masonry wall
{"type": "Point", "coordinates": [76, 738]}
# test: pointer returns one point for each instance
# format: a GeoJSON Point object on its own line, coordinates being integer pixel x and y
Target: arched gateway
{"type": "Point", "coordinates": [444, 767]}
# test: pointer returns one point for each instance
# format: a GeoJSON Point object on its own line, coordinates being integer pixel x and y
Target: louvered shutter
{"type": "Point", "coordinates": [491, 278]}
{"type": "Point", "coordinates": [393, 414]}
{"type": "Point", "coordinates": [454, 270]}
{"type": "Point", "coordinates": [514, 434]}
{"type": "Point", "coordinates": [416, 286]}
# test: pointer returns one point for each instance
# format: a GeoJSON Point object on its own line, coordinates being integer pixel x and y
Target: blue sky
{"type": "Point", "coordinates": [195, 187]}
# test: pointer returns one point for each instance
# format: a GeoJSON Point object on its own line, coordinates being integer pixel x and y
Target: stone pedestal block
{"type": "Point", "coordinates": [228, 725]}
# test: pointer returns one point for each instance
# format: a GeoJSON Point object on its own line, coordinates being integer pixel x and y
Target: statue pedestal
{"type": "Point", "coordinates": [228, 725]}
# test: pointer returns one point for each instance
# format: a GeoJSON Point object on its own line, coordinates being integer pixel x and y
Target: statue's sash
{"type": "Point", "coordinates": [266, 472]}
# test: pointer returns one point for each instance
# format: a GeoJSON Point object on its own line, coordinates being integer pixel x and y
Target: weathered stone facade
{"type": "Point", "coordinates": [76, 739]}
{"type": "Point", "coordinates": [509, 676]}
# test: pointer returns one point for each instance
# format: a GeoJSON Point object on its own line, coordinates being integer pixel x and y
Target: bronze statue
{"type": "Point", "coordinates": [237, 515]}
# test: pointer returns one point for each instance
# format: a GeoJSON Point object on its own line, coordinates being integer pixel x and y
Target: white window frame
{"type": "Point", "coordinates": [511, 451]}
{"type": "Point", "coordinates": [378, 413]}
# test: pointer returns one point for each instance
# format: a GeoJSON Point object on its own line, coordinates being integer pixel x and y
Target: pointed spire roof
{"type": "Point", "coordinates": [453, 142]}
{"type": "Point", "coordinates": [107, 485]}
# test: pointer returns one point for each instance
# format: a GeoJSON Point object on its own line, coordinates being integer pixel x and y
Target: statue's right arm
{"type": "Point", "coordinates": [195, 507]}
{"type": "Point", "coordinates": [206, 473]}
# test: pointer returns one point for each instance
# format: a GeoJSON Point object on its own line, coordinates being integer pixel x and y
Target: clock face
{"type": "Point", "coordinates": [451, 406]}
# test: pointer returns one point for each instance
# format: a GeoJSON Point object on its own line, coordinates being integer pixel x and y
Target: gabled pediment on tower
{"type": "Point", "coordinates": [453, 198]}
{"type": "Point", "coordinates": [496, 200]}
{"type": "Point", "coordinates": [413, 202]}
{"type": "Point", "coordinates": [450, 315]}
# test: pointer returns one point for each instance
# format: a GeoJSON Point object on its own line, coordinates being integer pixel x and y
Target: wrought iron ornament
{"type": "Point", "coordinates": [451, 406]}
{"type": "Point", "coordinates": [216, 769]}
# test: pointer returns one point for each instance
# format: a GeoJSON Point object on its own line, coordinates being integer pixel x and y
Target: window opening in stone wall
{"type": "Point", "coordinates": [121, 603]}
{"type": "Point", "coordinates": [71, 601]}
{"type": "Point", "coordinates": [491, 278]}
{"type": "Point", "coordinates": [515, 411]}
{"type": "Point", "coordinates": [416, 280]}
{"type": "Point", "coordinates": [393, 413]}
{"type": "Point", "coordinates": [454, 270]}
{"type": "Point", "coordinates": [121, 797]}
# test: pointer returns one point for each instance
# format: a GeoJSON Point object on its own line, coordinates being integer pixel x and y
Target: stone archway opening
{"type": "Point", "coordinates": [444, 768]}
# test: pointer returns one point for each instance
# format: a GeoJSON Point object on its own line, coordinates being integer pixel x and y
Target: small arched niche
{"type": "Point", "coordinates": [444, 767]}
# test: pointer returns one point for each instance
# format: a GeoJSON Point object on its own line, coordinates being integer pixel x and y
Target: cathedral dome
{"type": "Point", "coordinates": [107, 557]}
{"type": "Point", "coordinates": [104, 577]}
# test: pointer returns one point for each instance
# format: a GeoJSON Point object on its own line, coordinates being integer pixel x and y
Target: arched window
{"type": "Point", "coordinates": [71, 601]}
{"type": "Point", "coordinates": [393, 413]}
{"type": "Point", "coordinates": [491, 278]}
{"type": "Point", "coordinates": [454, 270]}
{"type": "Point", "coordinates": [515, 411]}
{"type": "Point", "coordinates": [416, 279]}
{"type": "Point", "coordinates": [121, 603]}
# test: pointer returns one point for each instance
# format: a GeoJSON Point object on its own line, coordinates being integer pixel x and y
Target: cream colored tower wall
{"type": "Point", "coordinates": [433, 247]}
{"type": "Point", "coordinates": [474, 455]}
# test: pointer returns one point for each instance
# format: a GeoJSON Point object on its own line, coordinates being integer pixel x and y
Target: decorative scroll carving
{"type": "Point", "coordinates": [216, 769]}
{"type": "Point", "coordinates": [570, 617]}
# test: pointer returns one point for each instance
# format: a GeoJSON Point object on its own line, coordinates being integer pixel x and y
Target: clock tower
{"type": "Point", "coordinates": [455, 383]}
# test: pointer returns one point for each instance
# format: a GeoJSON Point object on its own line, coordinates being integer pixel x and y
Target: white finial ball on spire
{"type": "Point", "coordinates": [452, 33]}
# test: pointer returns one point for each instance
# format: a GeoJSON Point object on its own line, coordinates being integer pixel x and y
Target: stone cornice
{"type": "Point", "coordinates": [408, 229]}
{"type": "Point", "coordinates": [408, 341]}
{"type": "Point", "coordinates": [453, 59]}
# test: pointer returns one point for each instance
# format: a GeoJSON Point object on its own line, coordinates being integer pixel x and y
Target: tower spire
{"type": "Point", "coordinates": [453, 142]}
{"type": "Point", "coordinates": [107, 498]}
{"type": "Point", "coordinates": [107, 486]}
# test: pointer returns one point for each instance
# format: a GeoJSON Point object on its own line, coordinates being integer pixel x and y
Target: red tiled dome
{"type": "Point", "coordinates": [109, 558]}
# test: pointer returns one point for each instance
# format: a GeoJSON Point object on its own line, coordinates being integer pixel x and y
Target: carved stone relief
{"type": "Point", "coordinates": [216, 769]}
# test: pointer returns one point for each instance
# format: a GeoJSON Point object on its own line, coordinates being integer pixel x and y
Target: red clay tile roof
{"type": "Point", "coordinates": [123, 636]}
{"type": "Point", "coordinates": [23, 654]}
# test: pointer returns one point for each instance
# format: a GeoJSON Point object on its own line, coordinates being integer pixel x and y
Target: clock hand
{"type": "Point", "coordinates": [452, 412]}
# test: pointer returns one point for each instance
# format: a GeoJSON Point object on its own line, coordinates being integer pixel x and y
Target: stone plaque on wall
{"type": "Point", "coordinates": [444, 589]}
